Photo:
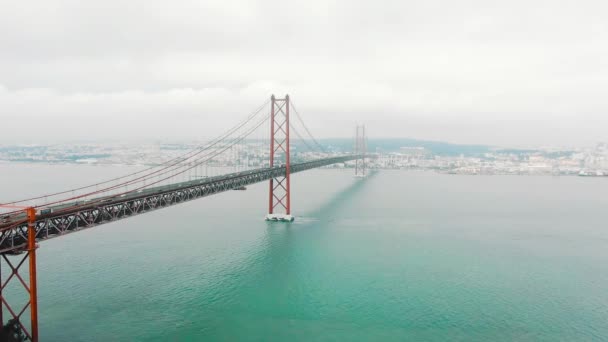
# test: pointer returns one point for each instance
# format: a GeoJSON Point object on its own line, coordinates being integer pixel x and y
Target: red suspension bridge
{"type": "Point", "coordinates": [25, 222]}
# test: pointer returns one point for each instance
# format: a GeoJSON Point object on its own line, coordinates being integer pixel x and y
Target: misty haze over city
{"type": "Point", "coordinates": [511, 74]}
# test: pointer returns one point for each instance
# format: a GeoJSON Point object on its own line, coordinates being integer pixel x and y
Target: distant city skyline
{"type": "Point", "coordinates": [412, 142]}
{"type": "Point", "coordinates": [388, 154]}
{"type": "Point", "coordinates": [513, 74]}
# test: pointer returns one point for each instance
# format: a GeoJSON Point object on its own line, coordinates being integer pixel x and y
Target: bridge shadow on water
{"type": "Point", "coordinates": [326, 212]}
{"type": "Point", "coordinates": [273, 285]}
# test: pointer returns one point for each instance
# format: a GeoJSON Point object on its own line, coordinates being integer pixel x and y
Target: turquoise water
{"type": "Point", "coordinates": [399, 256]}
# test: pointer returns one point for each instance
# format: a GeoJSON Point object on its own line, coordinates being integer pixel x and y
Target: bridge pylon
{"type": "Point", "coordinates": [279, 197]}
{"type": "Point", "coordinates": [360, 149]}
{"type": "Point", "coordinates": [15, 329]}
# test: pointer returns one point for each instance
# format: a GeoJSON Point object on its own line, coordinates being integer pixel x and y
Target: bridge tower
{"type": "Point", "coordinates": [279, 198]}
{"type": "Point", "coordinates": [15, 327]}
{"type": "Point", "coordinates": [360, 149]}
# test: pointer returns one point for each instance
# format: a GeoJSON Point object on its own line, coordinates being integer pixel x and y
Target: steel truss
{"type": "Point", "coordinates": [15, 328]}
{"type": "Point", "coordinates": [13, 239]}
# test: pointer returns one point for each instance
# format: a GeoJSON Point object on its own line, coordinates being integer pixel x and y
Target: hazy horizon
{"type": "Point", "coordinates": [324, 141]}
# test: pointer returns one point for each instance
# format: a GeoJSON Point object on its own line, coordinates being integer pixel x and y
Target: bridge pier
{"type": "Point", "coordinates": [279, 198]}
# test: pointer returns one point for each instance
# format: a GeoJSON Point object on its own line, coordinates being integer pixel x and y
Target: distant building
{"type": "Point", "coordinates": [414, 151]}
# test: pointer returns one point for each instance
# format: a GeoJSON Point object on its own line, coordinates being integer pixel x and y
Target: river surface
{"type": "Point", "coordinates": [399, 256]}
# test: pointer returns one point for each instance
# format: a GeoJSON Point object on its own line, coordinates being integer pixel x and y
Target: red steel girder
{"type": "Point", "coordinates": [31, 288]}
{"type": "Point", "coordinates": [280, 194]}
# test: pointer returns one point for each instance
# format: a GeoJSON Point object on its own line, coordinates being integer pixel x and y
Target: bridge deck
{"type": "Point", "coordinates": [72, 217]}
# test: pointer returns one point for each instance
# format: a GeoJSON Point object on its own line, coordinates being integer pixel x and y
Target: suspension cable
{"type": "Point", "coordinates": [156, 182]}
{"type": "Point", "coordinates": [306, 128]}
{"type": "Point", "coordinates": [237, 140]}
{"type": "Point", "coordinates": [177, 159]}
{"type": "Point", "coordinates": [300, 137]}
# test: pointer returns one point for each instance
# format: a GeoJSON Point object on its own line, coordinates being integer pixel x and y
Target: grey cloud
{"type": "Point", "coordinates": [509, 73]}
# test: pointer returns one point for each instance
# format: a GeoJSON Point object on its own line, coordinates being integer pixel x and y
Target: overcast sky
{"type": "Point", "coordinates": [510, 73]}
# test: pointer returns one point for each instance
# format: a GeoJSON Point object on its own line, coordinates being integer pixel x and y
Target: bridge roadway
{"type": "Point", "coordinates": [71, 217]}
